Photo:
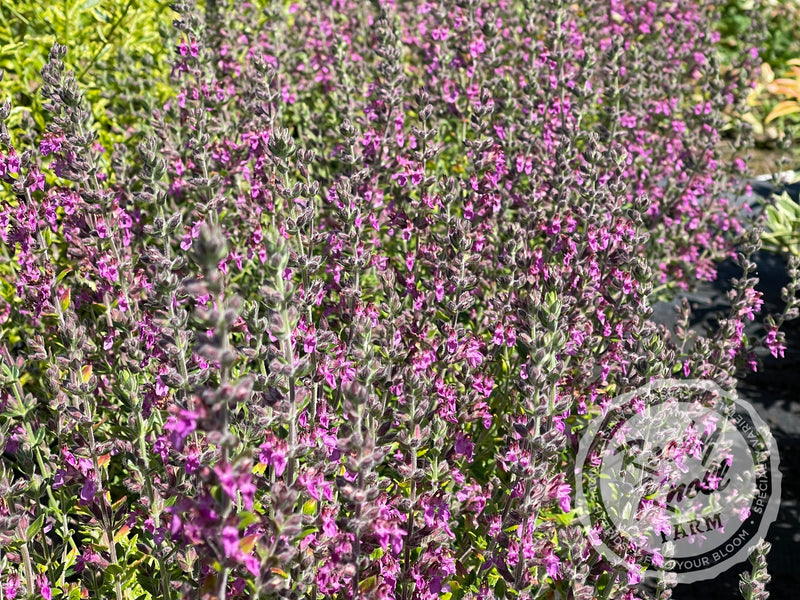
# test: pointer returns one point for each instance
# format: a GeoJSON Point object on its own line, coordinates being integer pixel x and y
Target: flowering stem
{"type": "Point", "coordinates": [179, 340]}
{"type": "Point", "coordinates": [357, 540]}
{"type": "Point", "coordinates": [113, 552]}
{"type": "Point", "coordinates": [413, 498]}
{"type": "Point", "coordinates": [288, 353]}
{"type": "Point", "coordinates": [166, 591]}
{"type": "Point", "coordinates": [96, 185]}
{"type": "Point", "coordinates": [522, 532]}
{"type": "Point", "coordinates": [107, 518]}
{"type": "Point", "coordinates": [26, 559]}
{"type": "Point", "coordinates": [223, 584]}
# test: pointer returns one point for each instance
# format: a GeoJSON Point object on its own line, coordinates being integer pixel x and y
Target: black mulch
{"type": "Point", "coordinates": [773, 392]}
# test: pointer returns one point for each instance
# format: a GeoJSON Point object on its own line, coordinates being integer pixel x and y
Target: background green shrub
{"type": "Point", "coordinates": [782, 41]}
{"type": "Point", "coordinates": [115, 47]}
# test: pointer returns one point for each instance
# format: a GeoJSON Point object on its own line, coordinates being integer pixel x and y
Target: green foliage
{"type": "Point", "coordinates": [738, 17]}
{"type": "Point", "coordinates": [774, 22]}
{"type": "Point", "coordinates": [783, 226]}
{"type": "Point", "coordinates": [115, 47]}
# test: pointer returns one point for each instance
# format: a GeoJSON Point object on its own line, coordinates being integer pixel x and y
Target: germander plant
{"type": "Point", "coordinates": [335, 330]}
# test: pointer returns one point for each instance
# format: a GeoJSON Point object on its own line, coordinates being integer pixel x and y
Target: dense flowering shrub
{"type": "Point", "coordinates": [333, 331]}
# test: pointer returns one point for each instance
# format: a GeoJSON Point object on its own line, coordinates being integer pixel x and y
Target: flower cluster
{"type": "Point", "coordinates": [332, 331]}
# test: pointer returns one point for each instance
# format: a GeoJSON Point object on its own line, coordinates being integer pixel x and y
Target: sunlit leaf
{"type": "Point", "coordinates": [88, 4]}
{"type": "Point", "coordinates": [247, 543]}
{"type": "Point", "coordinates": [782, 109]}
{"type": "Point", "coordinates": [122, 533]}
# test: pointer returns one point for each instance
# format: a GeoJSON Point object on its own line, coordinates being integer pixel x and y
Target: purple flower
{"type": "Point", "coordinates": [499, 336]}
{"type": "Point", "coordinates": [88, 490]}
{"type": "Point", "coordinates": [553, 565]}
{"type": "Point", "coordinates": [389, 532]}
{"type": "Point", "coordinates": [233, 481]}
{"type": "Point", "coordinates": [273, 453]}
{"type": "Point", "coordinates": [563, 497]}
{"type": "Point", "coordinates": [472, 353]}
{"type": "Point", "coordinates": [773, 342]}
{"type": "Point", "coordinates": [477, 47]}
{"type": "Point", "coordinates": [12, 163]}
{"type": "Point", "coordinates": [50, 144]}
{"type": "Point", "coordinates": [464, 446]}
{"type": "Point", "coordinates": [316, 486]}
{"type": "Point", "coordinates": [89, 557]}
{"type": "Point", "coordinates": [329, 526]}
{"type": "Point", "coordinates": [44, 586]}
{"type": "Point", "coordinates": [230, 542]}
{"type": "Point", "coordinates": [310, 341]}
{"type": "Point", "coordinates": [180, 426]}
{"type": "Point", "coordinates": [743, 513]}
{"type": "Point", "coordinates": [192, 461]}
{"type": "Point", "coordinates": [13, 441]}
{"type": "Point", "coordinates": [12, 586]}
{"type": "Point", "coordinates": [252, 564]}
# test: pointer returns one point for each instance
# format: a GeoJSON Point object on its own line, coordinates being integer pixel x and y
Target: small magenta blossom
{"type": "Point", "coordinates": [472, 353]}
{"type": "Point", "coordinates": [51, 144]}
{"type": "Point", "coordinates": [44, 586]}
{"type": "Point", "coordinates": [634, 576]}
{"type": "Point", "coordinates": [230, 542]}
{"type": "Point", "coordinates": [237, 480]}
{"type": "Point", "coordinates": [180, 426]}
{"type": "Point", "coordinates": [774, 344]}
{"type": "Point", "coordinates": [464, 446]}
{"type": "Point", "coordinates": [11, 589]}
{"type": "Point", "coordinates": [89, 489]}
{"type": "Point", "coordinates": [553, 565]}
{"type": "Point", "coordinates": [273, 453]}
{"type": "Point", "coordinates": [389, 532]}
{"type": "Point", "coordinates": [563, 496]}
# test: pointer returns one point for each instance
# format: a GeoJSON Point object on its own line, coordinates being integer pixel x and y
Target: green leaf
{"type": "Point", "coordinates": [377, 553]}
{"type": "Point", "coordinates": [71, 559]}
{"type": "Point", "coordinates": [788, 206]}
{"type": "Point", "coordinates": [782, 109]}
{"type": "Point", "coordinates": [246, 518]}
{"type": "Point", "coordinates": [114, 570]}
{"type": "Point", "coordinates": [34, 528]}
{"type": "Point", "coordinates": [307, 532]}
{"type": "Point", "coordinates": [88, 4]}
{"type": "Point", "coordinates": [11, 372]}
{"type": "Point", "coordinates": [10, 47]}
{"type": "Point", "coordinates": [367, 585]}
{"type": "Point", "coordinates": [75, 593]}
{"type": "Point", "coordinates": [65, 299]}
{"type": "Point", "coordinates": [309, 507]}
{"type": "Point", "coordinates": [63, 274]}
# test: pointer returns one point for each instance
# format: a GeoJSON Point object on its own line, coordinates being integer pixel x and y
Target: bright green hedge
{"type": "Point", "coordinates": [116, 48]}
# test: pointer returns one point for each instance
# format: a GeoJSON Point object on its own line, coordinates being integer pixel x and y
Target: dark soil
{"type": "Point", "coordinates": [762, 160]}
